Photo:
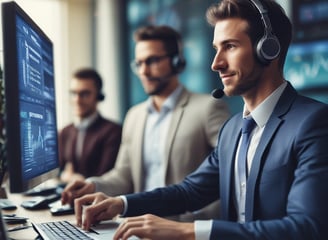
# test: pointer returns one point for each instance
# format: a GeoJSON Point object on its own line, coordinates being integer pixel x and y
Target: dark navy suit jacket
{"type": "Point", "coordinates": [287, 194]}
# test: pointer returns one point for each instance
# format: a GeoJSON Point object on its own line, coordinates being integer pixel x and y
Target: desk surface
{"type": "Point", "coordinates": [33, 215]}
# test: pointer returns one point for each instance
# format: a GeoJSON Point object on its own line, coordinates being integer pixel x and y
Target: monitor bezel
{"type": "Point", "coordinates": [12, 120]}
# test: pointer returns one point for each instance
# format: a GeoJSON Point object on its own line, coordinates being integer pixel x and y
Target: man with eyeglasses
{"type": "Point", "coordinates": [88, 146]}
{"type": "Point", "coordinates": [167, 136]}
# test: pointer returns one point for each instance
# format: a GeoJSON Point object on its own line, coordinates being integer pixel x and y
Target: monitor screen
{"type": "Point", "coordinates": [307, 65]}
{"type": "Point", "coordinates": [310, 20]}
{"type": "Point", "coordinates": [30, 116]}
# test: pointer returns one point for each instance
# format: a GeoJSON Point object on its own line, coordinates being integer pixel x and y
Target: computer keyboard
{"type": "Point", "coordinates": [60, 230]}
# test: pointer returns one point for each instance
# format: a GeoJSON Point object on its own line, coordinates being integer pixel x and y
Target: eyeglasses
{"type": "Point", "coordinates": [149, 62]}
{"type": "Point", "coordinates": [81, 94]}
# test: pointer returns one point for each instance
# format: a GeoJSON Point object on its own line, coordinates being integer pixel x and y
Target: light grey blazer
{"type": "Point", "coordinates": [192, 135]}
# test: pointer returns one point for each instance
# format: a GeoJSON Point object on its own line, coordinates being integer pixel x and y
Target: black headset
{"type": "Point", "coordinates": [178, 62]}
{"type": "Point", "coordinates": [100, 96]}
{"type": "Point", "coordinates": [99, 85]}
{"type": "Point", "coordinates": [268, 47]}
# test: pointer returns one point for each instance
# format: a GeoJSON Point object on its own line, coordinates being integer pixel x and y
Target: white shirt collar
{"type": "Point", "coordinates": [169, 103]}
{"type": "Point", "coordinates": [84, 123]}
{"type": "Point", "coordinates": [263, 111]}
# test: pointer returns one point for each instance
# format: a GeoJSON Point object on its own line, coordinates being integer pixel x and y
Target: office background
{"type": "Point", "coordinates": [98, 33]}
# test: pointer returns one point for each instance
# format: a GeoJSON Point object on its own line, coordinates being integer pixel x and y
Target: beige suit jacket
{"type": "Point", "coordinates": [192, 135]}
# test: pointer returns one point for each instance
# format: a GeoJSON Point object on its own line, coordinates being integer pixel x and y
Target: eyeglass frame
{"type": "Point", "coordinates": [149, 62]}
{"type": "Point", "coordinates": [84, 94]}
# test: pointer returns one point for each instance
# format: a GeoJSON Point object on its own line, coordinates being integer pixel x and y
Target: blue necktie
{"type": "Point", "coordinates": [248, 125]}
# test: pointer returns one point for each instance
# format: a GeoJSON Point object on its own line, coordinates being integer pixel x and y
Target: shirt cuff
{"type": "Point", "coordinates": [125, 201]}
{"type": "Point", "coordinates": [203, 229]}
{"type": "Point", "coordinates": [91, 180]}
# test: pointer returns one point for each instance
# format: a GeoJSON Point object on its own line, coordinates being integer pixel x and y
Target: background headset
{"type": "Point", "coordinates": [178, 62]}
{"type": "Point", "coordinates": [268, 47]}
{"type": "Point", "coordinates": [100, 96]}
{"type": "Point", "coordinates": [99, 84]}
{"type": "Point", "coordinates": [89, 73]}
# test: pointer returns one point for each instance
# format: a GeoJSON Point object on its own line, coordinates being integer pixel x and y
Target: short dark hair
{"type": "Point", "coordinates": [171, 38]}
{"type": "Point", "coordinates": [89, 73]}
{"type": "Point", "coordinates": [281, 25]}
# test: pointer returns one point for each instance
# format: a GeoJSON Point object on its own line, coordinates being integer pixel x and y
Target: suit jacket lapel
{"type": "Point", "coordinates": [137, 168]}
{"type": "Point", "coordinates": [228, 170]}
{"type": "Point", "coordinates": [175, 121]}
{"type": "Point", "coordinates": [71, 150]}
{"type": "Point", "coordinates": [271, 127]}
{"type": "Point", "coordinates": [269, 130]}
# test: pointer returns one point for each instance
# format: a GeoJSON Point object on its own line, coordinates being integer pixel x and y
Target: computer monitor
{"type": "Point", "coordinates": [30, 116]}
{"type": "Point", "coordinates": [307, 65]}
{"type": "Point", "coordinates": [310, 20]}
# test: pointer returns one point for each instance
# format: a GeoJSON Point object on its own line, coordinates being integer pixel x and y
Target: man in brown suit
{"type": "Point", "coordinates": [88, 146]}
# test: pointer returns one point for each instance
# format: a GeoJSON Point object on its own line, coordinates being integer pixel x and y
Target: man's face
{"type": "Point", "coordinates": [83, 97]}
{"type": "Point", "coordinates": [234, 59]}
{"type": "Point", "coordinates": [154, 66]}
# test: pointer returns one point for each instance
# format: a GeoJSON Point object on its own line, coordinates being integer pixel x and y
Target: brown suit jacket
{"type": "Point", "coordinates": [100, 147]}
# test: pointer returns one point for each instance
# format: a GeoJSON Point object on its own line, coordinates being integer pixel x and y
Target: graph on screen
{"type": "Point", "coordinates": [307, 65]}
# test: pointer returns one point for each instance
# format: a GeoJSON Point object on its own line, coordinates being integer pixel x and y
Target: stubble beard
{"type": "Point", "coordinates": [162, 85]}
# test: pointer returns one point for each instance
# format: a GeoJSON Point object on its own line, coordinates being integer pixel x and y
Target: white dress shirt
{"type": "Point", "coordinates": [154, 142]}
{"type": "Point", "coordinates": [82, 125]}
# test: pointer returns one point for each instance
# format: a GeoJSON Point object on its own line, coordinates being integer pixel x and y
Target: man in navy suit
{"type": "Point", "coordinates": [285, 196]}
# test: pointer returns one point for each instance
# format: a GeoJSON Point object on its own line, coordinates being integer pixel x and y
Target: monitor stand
{"type": "Point", "coordinates": [5, 203]}
{"type": "Point", "coordinates": [3, 182]}
{"type": "Point", "coordinates": [3, 193]}
{"type": "Point", "coordinates": [48, 188]}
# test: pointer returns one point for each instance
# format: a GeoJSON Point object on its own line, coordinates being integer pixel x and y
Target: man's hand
{"type": "Point", "coordinates": [152, 227]}
{"type": "Point", "coordinates": [68, 174]}
{"type": "Point", "coordinates": [76, 189]}
{"type": "Point", "coordinates": [93, 208]}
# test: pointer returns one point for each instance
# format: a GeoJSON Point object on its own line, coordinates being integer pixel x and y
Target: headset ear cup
{"type": "Point", "coordinates": [268, 49]}
{"type": "Point", "coordinates": [101, 97]}
{"type": "Point", "coordinates": [178, 63]}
